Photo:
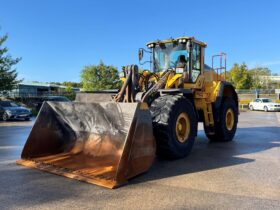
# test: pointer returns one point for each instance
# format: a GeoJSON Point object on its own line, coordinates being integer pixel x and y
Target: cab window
{"type": "Point", "coordinates": [196, 61]}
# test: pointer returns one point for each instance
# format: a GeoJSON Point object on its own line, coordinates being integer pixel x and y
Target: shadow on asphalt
{"type": "Point", "coordinates": [43, 187]}
{"type": "Point", "coordinates": [207, 155]}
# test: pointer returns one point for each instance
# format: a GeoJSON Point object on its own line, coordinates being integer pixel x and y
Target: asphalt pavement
{"type": "Point", "coordinates": [242, 174]}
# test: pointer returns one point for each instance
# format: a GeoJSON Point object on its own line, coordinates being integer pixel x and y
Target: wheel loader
{"type": "Point", "coordinates": [108, 137]}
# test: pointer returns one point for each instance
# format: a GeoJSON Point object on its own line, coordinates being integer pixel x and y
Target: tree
{"type": "Point", "coordinates": [260, 77]}
{"type": "Point", "coordinates": [68, 84]}
{"type": "Point", "coordinates": [100, 77]}
{"type": "Point", "coordinates": [240, 77]}
{"type": "Point", "coordinates": [8, 75]}
{"type": "Point", "coordinates": [72, 84]}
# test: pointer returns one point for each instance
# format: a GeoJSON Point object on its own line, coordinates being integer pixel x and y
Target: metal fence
{"type": "Point", "coordinates": [17, 94]}
{"type": "Point", "coordinates": [260, 91]}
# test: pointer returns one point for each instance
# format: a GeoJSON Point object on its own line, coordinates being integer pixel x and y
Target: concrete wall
{"type": "Point", "coordinates": [244, 96]}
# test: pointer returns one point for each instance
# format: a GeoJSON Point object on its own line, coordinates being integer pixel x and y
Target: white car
{"type": "Point", "coordinates": [265, 104]}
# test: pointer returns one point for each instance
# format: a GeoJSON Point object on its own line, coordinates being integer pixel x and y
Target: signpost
{"type": "Point", "coordinates": [277, 92]}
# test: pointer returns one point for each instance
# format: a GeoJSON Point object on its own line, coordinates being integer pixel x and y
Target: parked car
{"type": "Point", "coordinates": [11, 110]}
{"type": "Point", "coordinates": [51, 98]}
{"type": "Point", "coordinates": [265, 104]}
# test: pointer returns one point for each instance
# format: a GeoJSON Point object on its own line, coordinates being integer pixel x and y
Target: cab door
{"type": "Point", "coordinates": [259, 104]}
{"type": "Point", "coordinates": [197, 61]}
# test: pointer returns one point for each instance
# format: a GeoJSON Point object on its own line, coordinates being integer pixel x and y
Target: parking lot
{"type": "Point", "coordinates": [242, 174]}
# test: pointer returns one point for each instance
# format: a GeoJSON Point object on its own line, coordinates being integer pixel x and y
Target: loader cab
{"type": "Point", "coordinates": [183, 55]}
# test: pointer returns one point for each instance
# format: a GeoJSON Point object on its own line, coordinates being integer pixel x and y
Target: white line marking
{"type": "Point", "coordinates": [10, 147]}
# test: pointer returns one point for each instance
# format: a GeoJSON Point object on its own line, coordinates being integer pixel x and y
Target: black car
{"type": "Point", "coordinates": [11, 110]}
{"type": "Point", "coordinates": [51, 98]}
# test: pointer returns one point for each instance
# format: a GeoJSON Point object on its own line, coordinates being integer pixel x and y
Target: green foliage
{"type": "Point", "coordinates": [72, 84]}
{"type": "Point", "coordinates": [68, 89]}
{"type": "Point", "coordinates": [8, 75]}
{"type": "Point", "coordinates": [70, 95]}
{"type": "Point", "coordinates": [260, 79]}
{"type": "Point", "coordinates": [100, 77]}
{"type": "Point", "coordinates": [256, 78]}
{"type": "Point", "coordinates": [69, 85]}
{"type": "Point", "coordinates": [240, 77]}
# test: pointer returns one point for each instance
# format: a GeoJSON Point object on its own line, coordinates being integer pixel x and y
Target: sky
{"type": "Point", "coordinates": [57, 38]}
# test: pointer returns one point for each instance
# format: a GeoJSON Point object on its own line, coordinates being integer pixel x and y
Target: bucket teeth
{"type": "Point", "coordinates": [101, 143]}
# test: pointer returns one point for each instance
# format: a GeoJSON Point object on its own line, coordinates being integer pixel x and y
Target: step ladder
{"type": "Point", "coordinates": [209, 113]}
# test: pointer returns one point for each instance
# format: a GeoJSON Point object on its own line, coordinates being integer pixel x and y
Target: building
{"type": "Point", "coordinates": [275, 79]}
{"type": "Point", "coordinates": [34, 89]}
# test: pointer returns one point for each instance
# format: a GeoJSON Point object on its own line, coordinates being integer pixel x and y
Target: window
{"type": "Point", "coordinates": [166, 55]}
{"type": "Point", "coordinates": [196, 61]}
{"type": "Point", "coordinates": [266, 100]}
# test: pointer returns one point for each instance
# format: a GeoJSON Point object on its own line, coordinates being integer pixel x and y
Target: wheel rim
{"type": "Point", "coordinates": [182, 127]}
{"type": "Point", "coordinates": [229, 119]}
{"type": "Point", "coordinates": [5, 117]}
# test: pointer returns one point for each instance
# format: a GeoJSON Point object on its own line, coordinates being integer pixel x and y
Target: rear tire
{"type": "Point", "coordinates": [265, 109]}
{"type": "Point", "coordinates": [27, 119]}
{"type": "Point", "coordinates": [174, 125]}
{"type": "Point", "coordinates": [225, 127]}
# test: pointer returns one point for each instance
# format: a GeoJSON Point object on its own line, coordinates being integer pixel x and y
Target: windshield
{"type": "Point", "coordinates": [265, 100]}
{"type": "Point", "coordinates": [8, 104]}
{"type": "Point", "coordinates": [167, 55]}
{"type": "Point", "coordinates": [63, 99]}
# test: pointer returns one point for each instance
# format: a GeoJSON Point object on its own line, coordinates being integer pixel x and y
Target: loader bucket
{"type": "Point", "coordinates": [100, 143]}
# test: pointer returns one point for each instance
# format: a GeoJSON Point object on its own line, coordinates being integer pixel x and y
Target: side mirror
{"type": "Point", "coordinates": [140, 54]}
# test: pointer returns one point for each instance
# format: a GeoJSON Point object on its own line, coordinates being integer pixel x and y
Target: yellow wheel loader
{"type": "Point", "coordinates": [105, 138]}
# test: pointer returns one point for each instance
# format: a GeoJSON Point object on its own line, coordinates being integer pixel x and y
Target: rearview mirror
{"type": "Point", "coordinates": [140, 54]}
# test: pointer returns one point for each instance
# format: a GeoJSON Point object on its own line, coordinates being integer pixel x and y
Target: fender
{"type": "Point", "coordinates": [226, 89]}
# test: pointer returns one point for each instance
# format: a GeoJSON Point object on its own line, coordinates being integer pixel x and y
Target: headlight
{"type": "Point", "coordinates": [151, 45]}
{"type": "Point", "coordinates": [182, 40]}
{"type": "Point", "coordinates": [9, 112]}
{"type": "Point", "coordinates": [179, 70]}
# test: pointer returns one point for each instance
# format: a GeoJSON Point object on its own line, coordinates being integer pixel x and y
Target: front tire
{"type": "Point", "coordinates": [225, 127]}
{"type": "Point", "coordinates": [251, 107]}
{"type": "Point", "coordinates": [175, 126]}
{"type": "Point", "coordinates": [5, 116]}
